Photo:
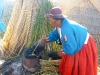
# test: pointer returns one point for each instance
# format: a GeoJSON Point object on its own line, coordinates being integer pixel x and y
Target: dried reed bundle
{"type": "Point", "coordinates": [49, 67]}
{"type": "Point", "coordinates": [66, 6]}
{"type": "Point", "coordinates": [96, 4]}
{"type": "Point", "coordinates": [2, 49]}
{"type": "Point", "coordinates": [19, 29]}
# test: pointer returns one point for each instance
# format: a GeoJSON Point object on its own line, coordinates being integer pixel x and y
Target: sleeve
{"type": "Point", "coordinates": [69, 42]}
{"type": "Point", "coordinates": [53, 36]}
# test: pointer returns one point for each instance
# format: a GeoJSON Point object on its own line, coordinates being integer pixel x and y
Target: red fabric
{"type": "Point", "coordinates": [84, 62]}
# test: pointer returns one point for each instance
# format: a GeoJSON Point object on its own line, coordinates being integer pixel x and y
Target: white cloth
{"type": "Point", "coordinates": [59, 31]}
{"type": "Point", "coordinates": [87, 37]}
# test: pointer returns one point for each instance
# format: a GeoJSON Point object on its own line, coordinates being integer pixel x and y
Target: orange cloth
{"type": "Point", "coordinates": [84, 62]}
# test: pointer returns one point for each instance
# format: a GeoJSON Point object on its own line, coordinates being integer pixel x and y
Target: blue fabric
{"type": "Point", "coordinates": [2, 26]}
{"type": "Point", "coordinates": [73, 36]}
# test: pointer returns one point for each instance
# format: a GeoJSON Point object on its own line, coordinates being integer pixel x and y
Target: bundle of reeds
{"type": "Point", "coordinates": [19, 29]}
{"type": "Point", "coordinates": [49, 67]}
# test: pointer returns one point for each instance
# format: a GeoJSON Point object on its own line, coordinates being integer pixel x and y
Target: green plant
{"type": "Point", "coordinates": [42, 26]}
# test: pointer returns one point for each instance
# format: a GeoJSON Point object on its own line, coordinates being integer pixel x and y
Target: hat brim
{"type": "Point", "coordinates": [51, 16]}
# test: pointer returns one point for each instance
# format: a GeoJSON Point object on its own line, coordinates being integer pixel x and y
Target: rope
{"type": "Point", "coordinates": [35, 48]}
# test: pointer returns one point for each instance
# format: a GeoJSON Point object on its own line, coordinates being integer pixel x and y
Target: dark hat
{"type": "Point", "coordinates": [55, 12]}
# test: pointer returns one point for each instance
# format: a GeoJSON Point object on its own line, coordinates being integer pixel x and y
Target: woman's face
{"type": "Point", "coordinates": [53, 22]}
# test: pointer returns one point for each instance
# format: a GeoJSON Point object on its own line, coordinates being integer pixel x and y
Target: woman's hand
{"type": "Point", "coordinates": [44, 40]}
{"type": "Point", "coordinates": [60, 53]}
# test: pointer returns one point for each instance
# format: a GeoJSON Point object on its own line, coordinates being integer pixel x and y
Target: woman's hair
{"type": "Point", "coordinates": [61, 19]}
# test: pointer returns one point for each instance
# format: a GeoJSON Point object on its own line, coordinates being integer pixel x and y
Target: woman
{"type": "Point", "coordinates": [80, 51]}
